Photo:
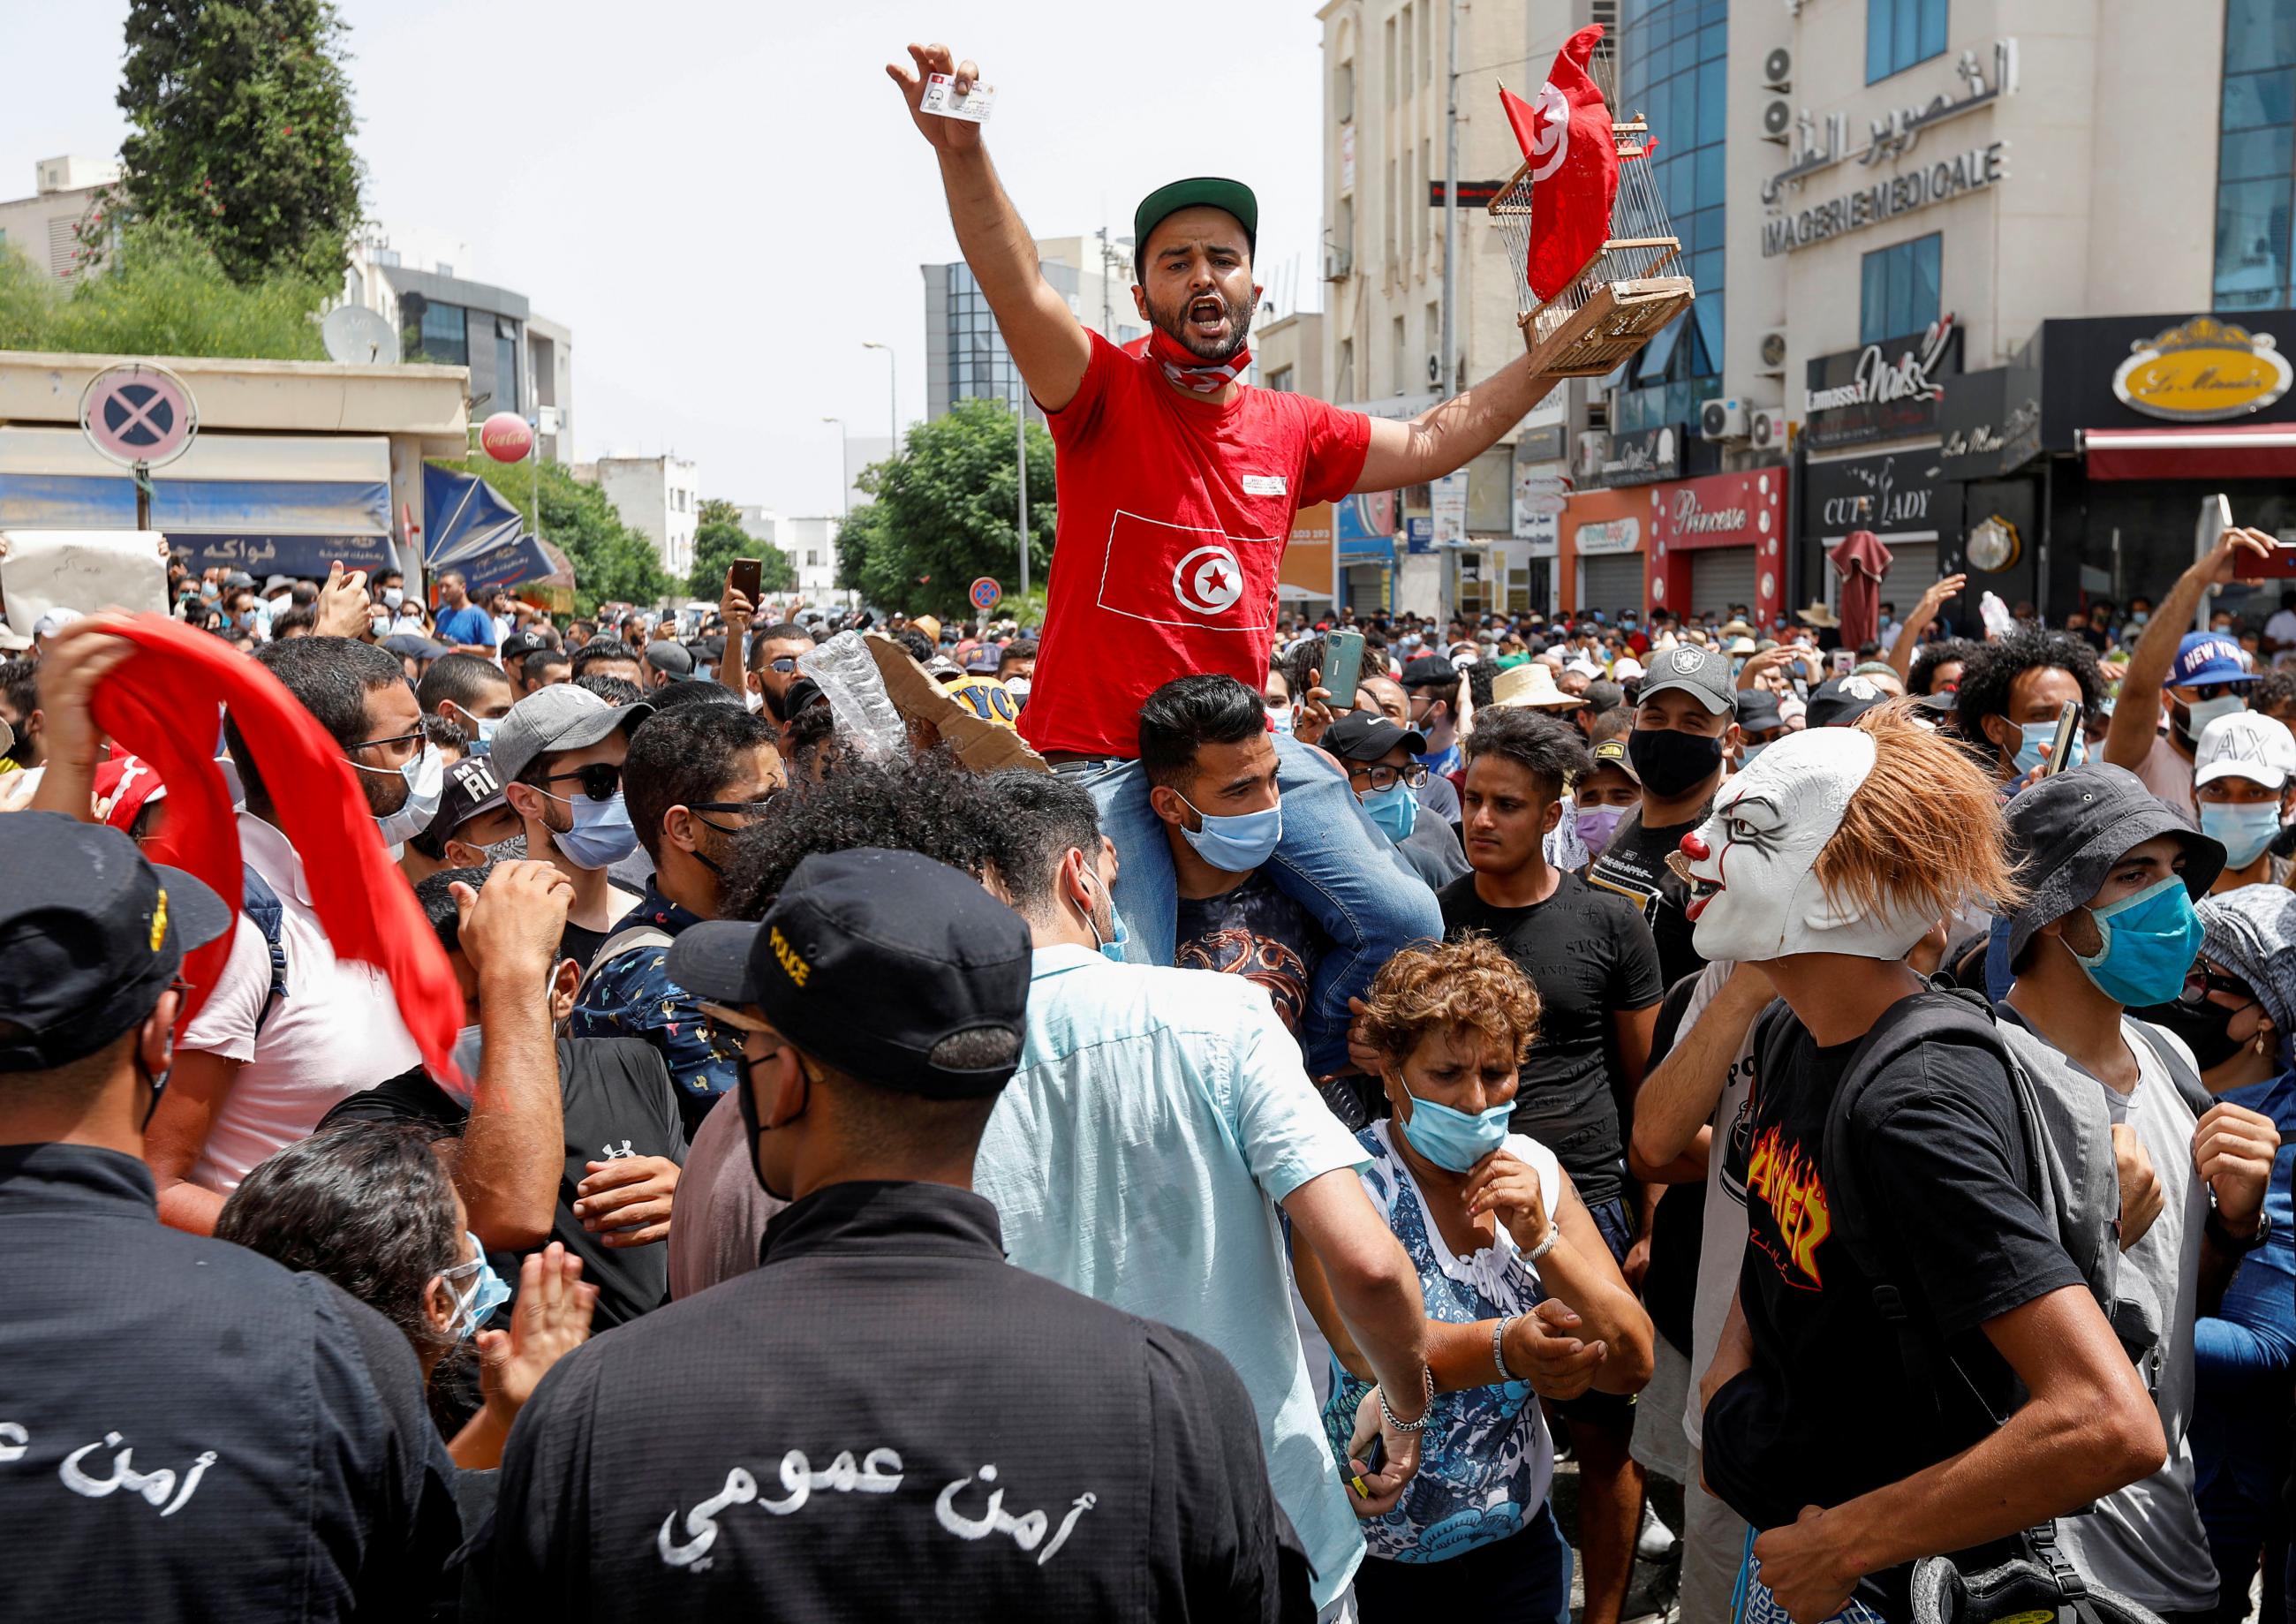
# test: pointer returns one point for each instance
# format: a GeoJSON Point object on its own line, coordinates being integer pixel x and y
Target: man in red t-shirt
{"type": "Point", "coordinates": [1178, 488]}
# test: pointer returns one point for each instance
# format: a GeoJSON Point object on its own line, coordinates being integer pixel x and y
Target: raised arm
{"type": "Point", "coordinates": [2137, 712]}
{"type": "Point", "coordinates": [1048, 344]}
{"type": "Point", "coordinates": [1446, 437]}
{"type": "Point", "coordinates": [513, 1143]}
{"type": "Point", "coordinates": [1910, 636]}
{"type": "Point", "coordinates": [1679, 1097]}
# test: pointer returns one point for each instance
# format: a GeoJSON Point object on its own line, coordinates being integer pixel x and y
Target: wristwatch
{"type": "Point", "coordinates": [2237, 1244]}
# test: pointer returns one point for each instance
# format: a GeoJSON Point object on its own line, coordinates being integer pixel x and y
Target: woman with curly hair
{"type": "Point", "coordinates": [1522, 1297]}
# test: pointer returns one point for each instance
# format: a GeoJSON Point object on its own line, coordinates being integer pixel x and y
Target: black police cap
{"type": "Point", "coordinates": [91, 934]}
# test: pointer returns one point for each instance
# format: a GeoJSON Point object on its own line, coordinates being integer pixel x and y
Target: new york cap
{"type": "Point", "coordinates": [2209, 657]}
{"type": "Point", "coordinates": [870, 959]}
{"type": "Point", "coordinates": [91, 933]}
{"type": "Point", "coordinates": [562, 717]}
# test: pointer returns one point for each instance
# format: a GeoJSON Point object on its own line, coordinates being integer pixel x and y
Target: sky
{"type": "Point", "coordinates": [724, 199]}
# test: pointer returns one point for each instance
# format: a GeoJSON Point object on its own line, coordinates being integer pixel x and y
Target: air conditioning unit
{"type": "Point", "coordinates": [1777, 70]}
{"type": "Point", "coordinates": [1773, 353]}
{"type": "Point", "coordinates": [1339, 264]}
{"type": "Point", "coordinates": [1777, 120]}
{"type": "Point", "coordinates": [1722, 420]}
{"type": "Point", "coordinates": [1766, 430]}
{"type": "Point", "coordinates": [1434, 370]}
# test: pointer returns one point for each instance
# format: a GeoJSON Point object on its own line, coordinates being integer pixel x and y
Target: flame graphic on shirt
{"type": "Point", "coordinates": [1786, 1182]}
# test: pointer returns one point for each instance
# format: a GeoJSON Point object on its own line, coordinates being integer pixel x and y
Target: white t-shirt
{"type": "Point", "coordinates": [2281, 627]}
{"type": "Point", "coordinates": [1724, 1250]}
{"type": "Point", "coordinates": [337, 1030]}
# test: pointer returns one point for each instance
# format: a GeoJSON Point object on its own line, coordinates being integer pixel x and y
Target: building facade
{"type": "Point", "coordinates": [661, 496]}
{"type": "Point", "coordinates": [810, 545]}
{"type": "Point", "coordinates": [965, 357]}
{"type": "Point", "coordinates": [47, 228]}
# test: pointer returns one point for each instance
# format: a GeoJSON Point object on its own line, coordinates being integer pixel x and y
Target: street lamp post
{"type": "Point", "coordinates": [844, 492]}
{"type": "Point", "coordinates": [893, 392]}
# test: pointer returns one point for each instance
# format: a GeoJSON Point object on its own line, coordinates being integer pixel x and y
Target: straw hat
{"type": "Point", "coordinates": [1818, 614]}
{"type": "Point", "coordinates": [1531, 683]}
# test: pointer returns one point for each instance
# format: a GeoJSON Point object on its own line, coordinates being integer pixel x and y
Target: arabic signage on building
{"type": "Point", "coordinates": [1643, 456]}
{"type": "Point", "coordinates": [1889, 391]}
{"type": "Point", "coordinates": [1989, 423]}
{"type": "Point", "coordinates": [2139, 372]}
{"type": "Point", "coordinates": [1899, 495]}
{"type": "Point", "coordinates": [1821, 145]}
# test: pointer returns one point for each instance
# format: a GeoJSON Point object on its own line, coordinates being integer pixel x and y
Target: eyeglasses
{"type": "Point", "coordinates": [736, 808]}
{"type": "Point", "coordinates": [600, 779]}
{"type": "Point", "coordinates": [402, 738]}
{"type": "Point", "coordinates": [2200, 983]}
{"type": "Point", "coordinates": [1384, 778]}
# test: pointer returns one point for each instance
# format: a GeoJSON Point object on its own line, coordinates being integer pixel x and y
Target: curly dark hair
{"type": "Point", "coordinates": [1550, 750]}
{"type": "Point", "coordinates": [929, 805]}
{"type": "Point", "coordinates": [2274, 695]}
{"type": "Point", "coordinates": [367, 1205]}
{"type": "Point", "coordinates": [1991, 668]}
{"type": "Point", "coordinates": [1945, 652]}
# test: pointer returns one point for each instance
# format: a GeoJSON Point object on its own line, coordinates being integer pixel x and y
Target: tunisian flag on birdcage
{"type": "Point", "coordinates": [1565, 136]}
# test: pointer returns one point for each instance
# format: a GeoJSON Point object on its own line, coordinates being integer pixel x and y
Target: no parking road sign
{"type": "Point", "coordinates": [985, 592]}
{"type": "Point", "coordinates": [139, 415]}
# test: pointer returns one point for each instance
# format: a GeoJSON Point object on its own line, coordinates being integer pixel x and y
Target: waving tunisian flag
{"type": "Point", "coordinates": [1565, 136]}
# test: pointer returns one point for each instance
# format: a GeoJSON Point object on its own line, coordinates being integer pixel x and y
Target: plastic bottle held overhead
{"type": "Point", "coordinates": [849, 681]}
{"type": "Point", "coordinates": [1995, 613]}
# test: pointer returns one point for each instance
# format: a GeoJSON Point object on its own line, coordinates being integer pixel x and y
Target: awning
{"type": "Point", "coordinates": [468, 526]}
{"type": "Point", "coordinates": [2211, 451]}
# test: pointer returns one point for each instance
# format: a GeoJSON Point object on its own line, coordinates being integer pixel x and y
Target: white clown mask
{"type": "Point", "coordinates": [1755, 894]}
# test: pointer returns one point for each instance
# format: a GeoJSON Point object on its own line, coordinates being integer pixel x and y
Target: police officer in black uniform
{"type": "Point", "coordinates": [187, 1431]}
{"type": "Point", "coordinates": [886, 1419]}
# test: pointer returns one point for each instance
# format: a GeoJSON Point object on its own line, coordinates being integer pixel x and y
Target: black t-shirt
{"type": "Point", "coordinates": [1827, 1412]}
{"type": "Point", "coordinates": [1634, 866]}
{"type": "Point", "coordinates": [1678, 1224]}
{"type": "Point", "coordinates": [1590, 958]}
{"type": "Point", "coordinates": [1258, 932]}
{"type": "Point", "coordinates": [581, 943]}
{"type": "Point", "coordinates": [617, 1102]}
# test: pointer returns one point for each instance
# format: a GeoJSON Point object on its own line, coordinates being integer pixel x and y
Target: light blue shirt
{"type": "Point", "coordinates": [1137, 1156]}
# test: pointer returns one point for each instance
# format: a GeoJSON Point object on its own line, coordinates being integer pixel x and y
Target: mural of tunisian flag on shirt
{"type": "Point", "coordinates": [1565, 136]}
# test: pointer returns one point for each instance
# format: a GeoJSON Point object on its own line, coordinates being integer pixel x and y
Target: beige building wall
{"type": "Point", "coordinates": [1287, 353]}
{"type": "Point", "coordinates": [43, 227]}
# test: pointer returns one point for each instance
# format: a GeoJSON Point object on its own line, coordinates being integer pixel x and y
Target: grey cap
{"type": "Point", "coordinates": [2251, 931]}
{"type": "Point", "coordinates": [562, 716]}
{"type": "Point", "coordinates": [674, 661]}
{"type": "Point", "coordinates": [1757, 710]}
{"type": "Point", "coordinates": [2066, 833]}
{"type": "Point", "coordinates": [1702, 671]}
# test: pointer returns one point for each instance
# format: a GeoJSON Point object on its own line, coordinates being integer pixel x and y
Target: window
{"type": "Point", "coordinates": [1426, 168]}
{"type": "Point", "coordinates": [1388, 57]}
{"type": "Point", "coordinates": [1280, 381]}
{"type": "Point", "coordinates": [1347, 369]}
{"type": "Point", "coordinates": [812, 558]}
{"type": "Point", "coordinates": [1899, 33]}
{"type": "Point", "coordinates": [1900, 288]}
{"type": "Point", "coordinates": [1343, 93]}
{"type": "Point", "coordinates": [443, 335]}
{"type": "Point", "coordinates": [2254, 165]}
{"type": "Point", "coordinates": [506, 396]}
{"type": "Point", "coordinates": [1408, 42]}
{"type": "Point", "coordinates": [1402, 376]}
{"type": "Point", "coordinates": [1427, 43]}
{"type": "Point", "coordinates": [1390, 210]}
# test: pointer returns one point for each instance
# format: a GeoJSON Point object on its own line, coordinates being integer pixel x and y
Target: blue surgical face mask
{"type": "Point", "coordinates": [1746, 756]}
{"type": "Point", "coordinates": [2243, 831]}
{"type": "Point", "coordinates": [487, 1293]}
{"type": "Point", "coordinates": [1111, 948]}
{"type": "Point", "coordinates": [602, 835]}
{"type": "Point", "coordinates": [2034, 735]}
{"type": "Point", "coordinates": [2150, 941]}
{"type": "Point", "coordinates": [484, 726]}
{"type": "Point", "coordinates": [1452, 1138]}
{"type": "Point", "coordinates": [1279, 718]}
{"type": "Point", "coordinates": [1236, 844]}
{"type": "Point", "coordinates": [2139, 616]}
{"type": "Point", "coordinates": [1394, 809]}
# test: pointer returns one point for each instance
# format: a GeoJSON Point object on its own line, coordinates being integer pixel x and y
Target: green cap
{"type": "Point", "coordinates": [1209, 190]}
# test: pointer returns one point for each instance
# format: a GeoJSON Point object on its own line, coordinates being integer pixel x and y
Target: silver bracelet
{"type": "Point", "coordinates": [1498, 1346]}
{"type": "Point", "coordinates": [1554, 1234]}
{"type": "Point", "coordinates": [1426, 1413]}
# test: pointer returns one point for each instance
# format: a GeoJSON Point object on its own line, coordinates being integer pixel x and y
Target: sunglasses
{"type": "Point", "coordinates": [600, 779]}
{"type": "Point", "coordinates": [735, 809]}
{"type": "Point", "coordinates": [786, 664]}
{"type": "Point", "coordinates": [2200, 983]}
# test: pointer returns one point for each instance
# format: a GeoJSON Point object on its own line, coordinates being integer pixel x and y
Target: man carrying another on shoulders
{"type": "Point", "coordinates": [1171, 476]}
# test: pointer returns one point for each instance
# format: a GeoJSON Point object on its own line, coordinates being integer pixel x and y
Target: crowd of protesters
{"type": "Point", "coordinates": [855, 1116]}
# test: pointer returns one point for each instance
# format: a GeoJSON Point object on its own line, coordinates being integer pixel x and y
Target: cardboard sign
{"type": "Point", "coordinates": [84, 570]}
{"type": "Point", "coordinates": [983, 747]}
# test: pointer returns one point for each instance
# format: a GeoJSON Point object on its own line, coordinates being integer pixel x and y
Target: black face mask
{"type": "Point", "coordinates": [2202, 1026]}
{"type": "Point", "coordinates": [1671, 762]}
{"type": "Point", "coordinates": [752, 1126]}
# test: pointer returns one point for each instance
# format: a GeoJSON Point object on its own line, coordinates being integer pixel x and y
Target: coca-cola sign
{"type": "Point", "coordinates": [1889, 391]}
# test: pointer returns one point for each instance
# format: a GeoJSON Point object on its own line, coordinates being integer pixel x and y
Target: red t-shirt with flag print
{"type": "Point", "coordinates": [1174, 514]}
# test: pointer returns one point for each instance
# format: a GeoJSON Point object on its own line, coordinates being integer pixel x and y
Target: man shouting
{"type": "Point", "coordinates": [1178, 488]}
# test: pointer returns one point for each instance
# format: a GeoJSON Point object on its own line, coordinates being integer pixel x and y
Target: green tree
{"type": "Point", "coordinates": [162, 293]}
{"type": "Point", "coordinates": [613, 564]}
{"type": "Point", "coordinates": [241, 124]}
{"type": "Point", "coordinates": [719, 540]}
{"type": "Point", "coordinates": [942, 512]}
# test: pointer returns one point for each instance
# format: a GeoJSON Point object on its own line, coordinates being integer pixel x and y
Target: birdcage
{"type": "Point", "coordinates": [1619, 300]}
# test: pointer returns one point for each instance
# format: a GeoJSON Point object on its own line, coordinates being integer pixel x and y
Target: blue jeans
{"type": "Point", "coordinates": [1330, 861]}
{"type": "Point", "coordinates": [1524, 1579]}
{"type": "Point", "coordinates": [2240, 1416]}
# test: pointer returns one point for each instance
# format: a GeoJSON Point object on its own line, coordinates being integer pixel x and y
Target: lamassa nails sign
{"type": "Point", "coordinates": [2202, 371]}
{"type": "Point", "coordinates": [1887, 390]}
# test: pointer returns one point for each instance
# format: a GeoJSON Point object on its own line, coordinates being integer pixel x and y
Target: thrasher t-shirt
{"type": "Point", "coordinates": [1174, 514]}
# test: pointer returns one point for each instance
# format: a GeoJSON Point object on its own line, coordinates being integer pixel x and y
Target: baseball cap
{"type": "Point", "coordinates": [91, 933]}
{"type": "Point", "coordinates": [1842, 700]}
{"type": "Point", "coordinates": [1613, 753]}
{"type": "Point", "coordinates": [411, 645]}
{"type": "Point", "coordinates": [1757, 710]}
{"type": "Point", "coordinates": [1701, 671]}
{"type": "Point", "coordinates": [944, 668]}
{"type": "Point", "coordinates": [2066, 832]}
{"type": "Point", "coordinates": [12, 640]}
{"type": "Point", "coordinates": [49, 624]}
{"type": "Point", "coordinates": [1365, 735]}
{"type": "Point", "coordinates": [1428, 670]}
{"type": "Point", "coordinates": [2208, 657]}
{"type": "Point", "coordinates": [984, 660]}
{"type": "Point", "coordinates": [560, 717]}
{"type": "Point", "coordinates": [2245, 744]}
{"type": "Point", "coordinates": [471, 788]}
{"type": "Point", "coordinates": [1208, 190]}
{"type": "Point", "coordinates": [672, 660]}
{"type": "Point", "coordinates": [868, 960]}
{"type": "Point", "coordinates": [518, 645]}
{"type": "Point", "coordinates": [1626, 668]}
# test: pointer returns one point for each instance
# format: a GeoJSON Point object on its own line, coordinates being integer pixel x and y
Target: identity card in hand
{"type": "Point", "coordinates": [940, 97]}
